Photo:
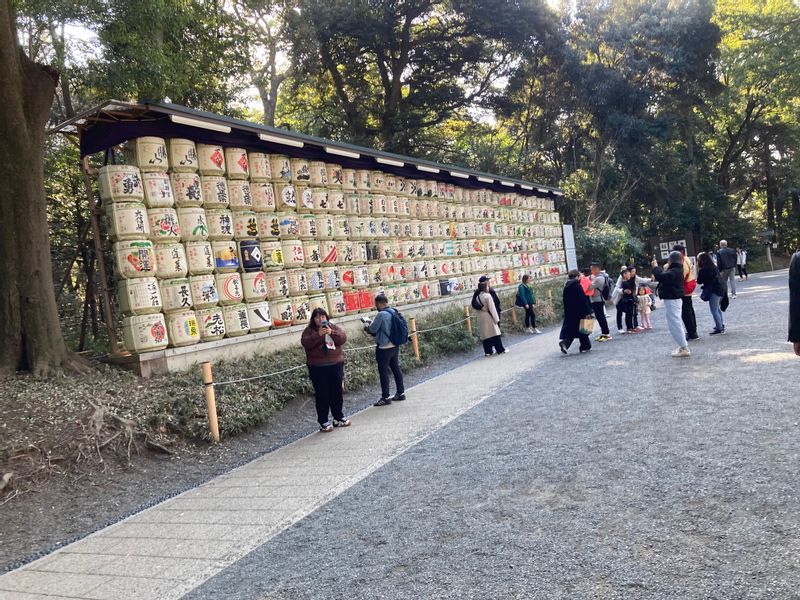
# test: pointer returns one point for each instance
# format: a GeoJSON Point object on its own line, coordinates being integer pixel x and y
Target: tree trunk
{"type": "Point", "coordinates": [30, 331]}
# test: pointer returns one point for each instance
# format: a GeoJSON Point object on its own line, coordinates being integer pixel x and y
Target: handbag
{"type": "Point", "coordinates": [586, 325]}
{"type": "Point", "coordinates": [705, 295]}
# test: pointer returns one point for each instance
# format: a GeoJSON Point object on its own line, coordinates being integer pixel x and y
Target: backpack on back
{"type": "Point", "coordinates": [398, 328]}
{"type": "Point", "coordinates": [608, 288]}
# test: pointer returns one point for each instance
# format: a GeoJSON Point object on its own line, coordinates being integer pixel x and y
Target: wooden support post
{"type": "Point", "coordinates": [211, 401]}
{"type": "Point", "coordinates": [101, 263]}
{"type": "Point", "coordinates": [550, 296]}
{"type": "Point", "coordinates": [513, 315]}
{"type": "Point", "coordinates": [412, 325]}
{"type": "Point", "coordinates": [468, 316]}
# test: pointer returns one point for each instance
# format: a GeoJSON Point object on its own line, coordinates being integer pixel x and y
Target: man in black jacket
{"type": "Point", "coordinates": [794, 302]}
{"type": "Point", "coordinates": [726, 263]}
{"type": "Point", "coordinates": [670, 288]}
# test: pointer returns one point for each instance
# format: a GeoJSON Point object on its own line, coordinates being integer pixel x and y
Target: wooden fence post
{"type": "Point", "coordinates": [412, 323]}
{"type": "Point", "coordinates": [469, 319]}
{"type": "Point", "coordinates": [513, 316]}
{"type": "Point", "coordinates": [211, 401]}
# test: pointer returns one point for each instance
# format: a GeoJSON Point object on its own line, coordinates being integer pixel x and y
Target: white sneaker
{"type": "Point", "coordinates": [681, 352]}
{"type": "Point", "coordinates": [529, 330]}
{"type": "Point", "coordinates": [536, 330]}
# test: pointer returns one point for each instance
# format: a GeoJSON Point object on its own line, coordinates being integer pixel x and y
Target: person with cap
{"type": "Point", "coordinates": [689, 284]}
{"type": "Point", "coordinates": [670, 287]}
{"type": "Point", "coordinates": [576, 307]}
{"type": "Point", "coordinates": [600, 279]}
{"type": "Point", "coordinates": [488, 318]}
{"type": "Point", "coordinates": [794, 302]}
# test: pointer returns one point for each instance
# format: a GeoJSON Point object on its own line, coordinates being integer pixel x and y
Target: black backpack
{"type": "Point", "coordinates": [398, 328]}
{"type": "Point", "coordinates": [608, 288]}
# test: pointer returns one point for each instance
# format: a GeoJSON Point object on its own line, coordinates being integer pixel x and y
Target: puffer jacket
{"type": "Point", "coordinates": [670, 282]}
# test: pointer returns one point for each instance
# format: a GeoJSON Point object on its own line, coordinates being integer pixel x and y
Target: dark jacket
{"type": "Point", "coordinates": [711, 281]}
{"type": "Point", "coordinates": [726, 258]}
{"type": "Point", "coordinates": [317, 353]}
{"type": "Point", "coordinates": [576, 307]}
{"type": "Point", "coordinates": [794, 298]}
{"type": "Point", "coordinates": [670, 282]}
{"type": "Point", "coordinates": [525, 294]}
{"type": "Point", "coordinates": [630, 297]}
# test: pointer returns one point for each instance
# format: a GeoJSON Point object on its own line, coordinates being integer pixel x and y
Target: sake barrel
{"type": "Point", "coordinates": [441, 189]}
{"type": "Point", "coordinates": [182, 155]}
{"type": "Point", "coordinates": [413, 203]}
{"type": "Point", "coordinates": [317, 301]}
{"type": "Point", "coordinates": [263, 196]}
{"type": "Point", "coordinates": [374, 271]}
{"type": "Point", "coordinates": [176, 294]}
{"type": "Point", "coordinates": [186, 189]}
{"type": "Point", "coordinates": [351, 305]}
{"type": "Point", "coordinates": [391, 294]}
{"type": "Point", "coordinates": [319, 198]}
{"type": "Point", "coordinates": [305, 199]}
{"type": "Point", "coordinates": [148, 153]}
{"type": "Point", "coordinates": [211, 323]}
{"type": "Point", "coordinates": [139, 296]}
{"type": "Point", "coordinates": [157, 190]}
{"type": "Point", "coordinates": [301, 171]}
{"type": "Point", "coordinates": [328, 252]}
{"type": "Point", "coordinates": [301, 310]}
{"type": "Point", "coordinates": [414, 295]}
{"type": "Point", "coordinates": [285, 196]}
{"type": "Point", "coordinates": [220, 224]}
{"type": "Point", "coordinates": [281, 312]}
{"type": "Point", "coordinates": [210, 159]}
{"type": "Point", "coordinates": [182, 328]}
{"type": "Point", "coordinates": [144, 333]}
{"type": "Point", "coordinates": [236, 321]}
{"type": "Point", "coordinates": [240, 195]}
{"type": "Point", "coordinates": [120, 183]}
{"type": "Point", "coordinates": [334, 174]}
{"type": "Point", "coordinates": [444, 268]}
{"type": "Point", "coordinates": [358, 228]}
{"type": "Point", "coordinates": [135, 259]}
{"type": "Point", "coordinates": [245, 224]}
{"type": "Point", "coordinates": [392, 205]}
{"type": "Point", "coordinates": [387, 271]}
{"type": "Point", "coordinates": [352, 204]}
{"type": "Point", "coordinates": [318, 173]}
{"type": "Point", "coordinates": [390, 183]}
{"type": "Point", "coordinates": [344, 253]}
{"type": "Point", "coordinates": [341, 227]}
{"type": "Point", "coordinates": [293, 255]}
{"type": "Point", "coordinates": [127, 221]}
{"type": "Point", "coordinates": [215, 191]}
{"type": "Point", "coordinates": [405, 270]}
{"type": "Point", "coordinates": [360, 276]}
{"type": "Point", "coordinates": [229, 288]}
{"type": "Point", "coordinates": [424, 290]}
{"type": "Point", "coordinates": [359, 252]}
{"type": "Point", "coordinates": [366, 300]}
{"type": "Point", "coordinates": [255, 286]}
{"type": "Point", "coordinates": [372, 251]}
{"type": "Point", "coordinates": [336, 202]}
{"type": "Point", "coordinates": [272, 255]}
{"type": "Point", "coordinates": [384, 229]}
{"type": "Point", "coordinates": [281, 168]}
{"type": "Point", "coordinates": [259, 316]}
{"type": "Point", "coordinates": [260, 169]}
{"type": "Point", "coordinates": [402, 186]}
{"type": "Point", "coordinates": [348, 180]}
{"type": "Point", "coordinates": [362, 180]}
{"type": "Point", "coordinates": [236, 163]}
{"type": "Point", "coordinates": [311, 253]}
{"type": "Point", "coordinates": [420, 249]}
{"type": "Point", "coordinates": [226, 257]}
{"type": "Point", "coordinates": [347, 277]}
{"type": "Point", "coordinates": [193, 224]}
{"type": "Point", "coordinates": [171, 260]}
{"type": "Point", "coordinates": [377, 181]}
{"type": "Point", "coordinates": [396, 250]}
{"type": "Point", "coordinates": [365, 204]}
{"type": "Point", "coordinates": [408, 248]}
{"type": "Point", "coordinates": [307, 227]}
{"type": "Point", "coordinates": [250, 255]}
{"type": "Point", "coordinates": [297, 281]}
{"type": "Point", "coordinates": [325, 227]}
{"type": "Point", "coordinates": [164, 224]}
{"type": "Point", "coordinates": [404, 206]}
{"type": "Point", "coordinates": [204, 290]}
{"type": "Point", "coordinates": [445, 287]}
{"type": "Point", "coordinates": [330, 278]}
{"type": "Point", "coordinates": [315, 279]}
{"type": "Point", "coordinates": [268, 226]}
{"type": "Point", "coordinates": [379, 206]}
{"type": "Point", "coordinates": [277, 285]}
{"type": "Point", "coordinates": [336, 306]}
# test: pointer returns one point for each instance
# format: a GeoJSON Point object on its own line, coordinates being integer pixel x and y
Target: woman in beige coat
{"type": "Point", "coordinates": [488, 320]}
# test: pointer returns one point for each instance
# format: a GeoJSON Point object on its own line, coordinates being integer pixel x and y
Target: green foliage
{"type": "Point", "coordinates": [609, 245]}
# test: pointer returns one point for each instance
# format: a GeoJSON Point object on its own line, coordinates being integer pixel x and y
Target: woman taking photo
{"type": "Point", "coordinates": [323, 341]}
{"type": "Point", "coordinates": [488, 318]}
{"type": "Point", "coordinates": [714, 290]}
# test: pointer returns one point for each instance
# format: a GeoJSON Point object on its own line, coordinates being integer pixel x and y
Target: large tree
{"type": "Point", "coordinates": [29, 326]}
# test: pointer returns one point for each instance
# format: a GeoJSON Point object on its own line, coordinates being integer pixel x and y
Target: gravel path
{"type": "Point", "coordinates": [622, 473]}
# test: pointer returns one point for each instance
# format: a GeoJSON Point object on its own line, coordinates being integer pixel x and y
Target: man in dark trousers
{"type": "Point", "coordinates": [599, 280]}
{"type": "Point", "coordinates": [794, 302]}
{"type": "Point", "coordinates": [386, 353]}
{"type": "Point", "coordinates": [726, 263]}
{"type": "Point", "coordinates": [689, 284]}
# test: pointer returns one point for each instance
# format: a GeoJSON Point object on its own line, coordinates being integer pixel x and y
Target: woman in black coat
{"type": "Point", "coordinates": [576, 307]}
{"type": "Point", "coordinates": [714, 290]}
{"type": "Point", "coordinates": [794, 302]}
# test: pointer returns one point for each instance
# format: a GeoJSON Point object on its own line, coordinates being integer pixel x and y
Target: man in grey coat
{"type": "Point", "coordinates": [726, 263]}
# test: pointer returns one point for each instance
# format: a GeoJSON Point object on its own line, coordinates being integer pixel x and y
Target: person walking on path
{"type": "Point", "coordinates": [488, 319]}
{"type": "Point", "coordinates": [670, 281]}
{"type": "Point", "coordinates": [689, 284]}
{"type": "Point", "coordinates": [709, 277]}
{"type": "Point", "coordinates": [726, 263]}
{"type": "Point", "coordinates": [387, 355]}
{"type": "Point", "coordinates": [741, 262]}
{"type": "Point", "coordinates": [526, 299]}
{"type": "Point", "coordinates": [600, 280]}
{"type": "Point", "coordinates": [576, 307]}
{"type": "Point", "coordinates": [643, 300]}
{"type": "Point", "coordinates": [794, 302]}
{"type": "Point", "coordinates": [323, 341]}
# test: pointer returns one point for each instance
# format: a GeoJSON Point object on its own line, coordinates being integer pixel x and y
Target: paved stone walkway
{"type": "Point", "coordinates": [620, 473]}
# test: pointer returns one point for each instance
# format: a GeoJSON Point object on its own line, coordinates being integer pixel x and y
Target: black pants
{"type": "Point", "coordinates": [585, 342]}
{"type": "Point", "coordinates": [327, 382]}
{"type": "Point", "coordinates": [741, 270]}
{"type": "Point", "coordinates": [388, 358]}
{"type": "Point", "coordinates": [530, 317]}
{"type": "Point", "coordinates": [493, 343]}
{"type": "Point", "coordinates": [620, 313]}
{"type": "Point", "coordinates": [687, 315]}
{"type": "Point", "coordinates": [599, 309]}
{"type": "Point", "coordinates": [629, 309]}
